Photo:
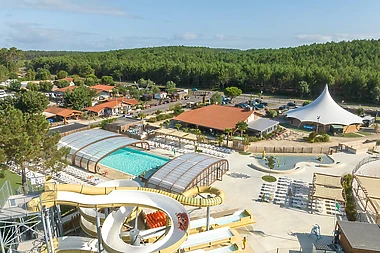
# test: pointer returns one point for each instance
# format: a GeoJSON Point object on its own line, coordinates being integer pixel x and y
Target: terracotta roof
{"type": "Point", "coordinates": [103, 87]}
{"type": "Point", "coordinates": [97, 108]}
{"type": "Point", "coordinates": [63, 112]}
{"type": "Point", "coordinates": [130, 101]}
{"type": "Point", "coordinates": [64, 89]}
{"type": "Point", "coordinates": [215, 116]}
{"type": "Point", "coordinates": [112, 103]}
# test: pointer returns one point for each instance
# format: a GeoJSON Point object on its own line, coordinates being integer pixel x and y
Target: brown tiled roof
{"type": "Point", "coordinates": [103, 87]}
{"type": "Point", "coordinates": [215, 116]}
{"type": "Point", "coordinates": [97, 108]}
{"type": "Point", "coordinates": [130, 101]}
{"type": "Point", "coordinates": [64, 89]}
{"type": "Point", "coordinates": [63, 112]}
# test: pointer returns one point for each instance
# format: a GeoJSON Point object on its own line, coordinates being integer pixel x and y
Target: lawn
{"type": "Point", "coordinates": [349, 135]}
{"type": "Point", "coordinates": [14, 179]}
{"type": "Point", "coordinates": [365, 133]}
{"type": "Point", "coordinates": [269, 179]}
{"type": "Point", "coordinates": [300, 129]}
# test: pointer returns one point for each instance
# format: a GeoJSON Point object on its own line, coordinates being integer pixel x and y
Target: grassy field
{"type": "Point", "coordinates": [350, 135]}
{"type": "Point", "coordinates": [365, 133]}
{"type": "Point", "coordinates": [14, 179]}
{"type": "Point", "coordinates": [269, 179]}
{"type": "Point", "coordinates": [300, 129]}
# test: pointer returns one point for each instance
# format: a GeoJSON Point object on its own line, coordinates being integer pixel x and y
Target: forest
{"type": "Point", "coordinates": [350, 68]}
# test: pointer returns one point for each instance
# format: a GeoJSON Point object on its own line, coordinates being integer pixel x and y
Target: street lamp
{"type": "Point", "coordinates": [318, 118]}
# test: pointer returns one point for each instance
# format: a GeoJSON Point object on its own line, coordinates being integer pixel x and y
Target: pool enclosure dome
{"type": "Point", "coordinates": [88, 147]}
{"type": "Point", "coordinates": [187, 171]}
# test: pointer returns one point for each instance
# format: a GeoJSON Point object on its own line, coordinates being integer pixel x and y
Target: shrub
{"type": "Point", "coordinates": [152, 120]}
{"type": "Point", "coordinates": [271, 113]}
{"type": "Point", "coordinates": [350, 207]}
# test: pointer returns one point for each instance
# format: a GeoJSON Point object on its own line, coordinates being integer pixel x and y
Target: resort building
{"type": "Point", "coordinates": [262, 126]}
{"type": "Point", "coordinates": [112, 107]}
{"type": "Point", "coordinates": [324, 114]}
{"type": "Point", "coordinates": [103, 91]}
{"type": "Point", "coordinates": [61, 114]}
{"type": "Point", "coordinates": [215, 117]}
{"type": "Point", "coordinates": [122, 124]}
{"type": "Point", "coordinates": [88, 147]}
{"type": "Point", "coordinates": [61, 91]}
{"type": "Point", "coordinates": [187, 171]}
{"type": "Point", "coordinates": [358, 237]}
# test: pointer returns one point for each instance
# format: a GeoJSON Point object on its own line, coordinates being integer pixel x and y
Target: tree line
{"type": "Point", "coordinates": [351, 68]}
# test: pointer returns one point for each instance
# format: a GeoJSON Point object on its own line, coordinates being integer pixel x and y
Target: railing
{"type": "Point", "coordinates": [364, 161]}
{"type": "Point", "coordinates": [305, 150]}
{"type": "Point", "coordinates": [5, 192]}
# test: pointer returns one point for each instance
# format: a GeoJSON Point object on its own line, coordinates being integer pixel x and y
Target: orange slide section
{"type": "Point", "coordinates": [156, 219]}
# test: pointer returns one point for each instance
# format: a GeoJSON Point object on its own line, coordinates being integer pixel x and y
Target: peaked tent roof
{"type": "Point", "coordinates": [328, 111]}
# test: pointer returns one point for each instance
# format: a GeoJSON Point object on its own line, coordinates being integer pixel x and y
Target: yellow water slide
{"type": "Point", "coordinates": [49, 197]}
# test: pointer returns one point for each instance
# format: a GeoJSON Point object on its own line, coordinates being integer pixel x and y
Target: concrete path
{"type": "Point", "coordinates": [275, 227]}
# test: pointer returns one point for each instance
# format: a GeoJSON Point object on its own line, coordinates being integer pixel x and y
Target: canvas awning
{"type": "Point", "coordinates": [371, 185]}
{"type": "Point", "coordinates": [328, 193]}
{"type": "Point", "coordinates": [327, 180]}
{"type": "Point", "coordinates": [324, 110]}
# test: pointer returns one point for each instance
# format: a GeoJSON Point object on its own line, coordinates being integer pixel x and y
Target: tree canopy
{"type": "Point", "coordinates": [25, 142]}
{"type": "Point", "coordinates": [351, 68]}
{"type": "Point", "coordinates": [79, 98]}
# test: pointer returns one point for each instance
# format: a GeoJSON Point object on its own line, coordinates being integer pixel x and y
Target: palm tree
{"type": "Point", "coordinates": [166, 123]}
{"type": "Point", "coordinates": [246, 140]}
{"type": "Point", "coordinates": [186, 129]}
{"type": "Point", "coordinates": [271, 162]}
{"type": "Point", "coordinates": [220, 139]}
{"type": "Point", "coordinates": [178, 126]}
{"type": "Point", "coordinates": [242, 127]}
{"type": "Point", "coordinates": [228, 131]}
{"type": "Point", "coordinates": [142, 116]}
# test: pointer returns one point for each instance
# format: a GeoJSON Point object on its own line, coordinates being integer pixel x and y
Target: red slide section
{"type": "Point", "coordinates": [156, 219]}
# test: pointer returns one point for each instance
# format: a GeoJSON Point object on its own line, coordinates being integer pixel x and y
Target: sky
{"type": "Point", "coordinates": [100, 25]}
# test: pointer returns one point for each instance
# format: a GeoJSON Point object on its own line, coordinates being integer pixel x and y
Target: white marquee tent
{"type": "Point", "coordinates": [327, 110]}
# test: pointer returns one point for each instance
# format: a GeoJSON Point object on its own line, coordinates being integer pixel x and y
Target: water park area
{"type": "Point", "coordinates": [288, 163]}
{"type": "Point", "coordinates": [191, 202]}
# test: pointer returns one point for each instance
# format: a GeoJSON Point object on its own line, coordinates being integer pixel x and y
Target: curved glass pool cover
{"type": "Point", "coordinates": [88, 147]}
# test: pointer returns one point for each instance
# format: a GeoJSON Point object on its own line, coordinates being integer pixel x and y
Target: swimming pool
{"type": "Point", "coordinates": [288, 162]}
{"type": "Point", "coordinates": [133, 161]}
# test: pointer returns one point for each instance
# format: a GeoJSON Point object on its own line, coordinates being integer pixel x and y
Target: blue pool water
{"type": "Point", "coordinates": [288, 162]}
{"type": "Point", "coordinates": [133, 161]}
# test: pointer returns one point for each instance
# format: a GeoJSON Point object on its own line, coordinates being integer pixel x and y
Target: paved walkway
{"type": "Point", "coordinates": [275, 227]}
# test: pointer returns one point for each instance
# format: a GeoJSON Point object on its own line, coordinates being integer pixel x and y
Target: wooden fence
{"type": "Point", "coordinates": [310, 150]}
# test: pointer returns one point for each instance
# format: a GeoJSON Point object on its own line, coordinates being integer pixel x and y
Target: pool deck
{"type": "Point", "coordinates": [275, 227]}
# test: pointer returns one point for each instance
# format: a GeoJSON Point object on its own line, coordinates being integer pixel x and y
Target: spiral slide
{"type": "Point", "coordinates": [127, 200]}
{"type": "Point", "coordinates": [90, 199]}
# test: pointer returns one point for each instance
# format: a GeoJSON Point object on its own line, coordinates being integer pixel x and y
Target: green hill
{"type": "Point", "coordinates": [351, 68]}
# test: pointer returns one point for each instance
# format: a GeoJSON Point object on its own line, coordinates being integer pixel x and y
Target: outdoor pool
{"type": "Point", "coordinates": [288, 162]}
{"type": "Point", "coordinates": [133, 161]}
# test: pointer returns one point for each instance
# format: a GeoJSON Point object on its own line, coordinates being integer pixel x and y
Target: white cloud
{"type": "Point", "coordinates": [187, 36]}
{"type": "Point", "coordinates": [33, 34]}
{"type": "Point", "coordinates": [226, 37]}
{"type": "Point", "coordinates": [84, 6]}
{"type": "Point", "coordinates": [319, 38]}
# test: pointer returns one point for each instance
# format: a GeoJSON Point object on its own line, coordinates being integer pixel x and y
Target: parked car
{"type": "Point", "coordinates": [242, 105]}
{"type": "Point", "coordinates": [291, 104]}
{"type": "Point", "coordinates": [264, 103]}
{"type": "Point", "coordinates": [283, 107]}
{"type": "Point", "coordinates": [260, 106]}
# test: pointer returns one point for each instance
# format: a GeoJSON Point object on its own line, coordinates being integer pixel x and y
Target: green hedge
{"type": "Point", "coordinates": [350, 208]}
